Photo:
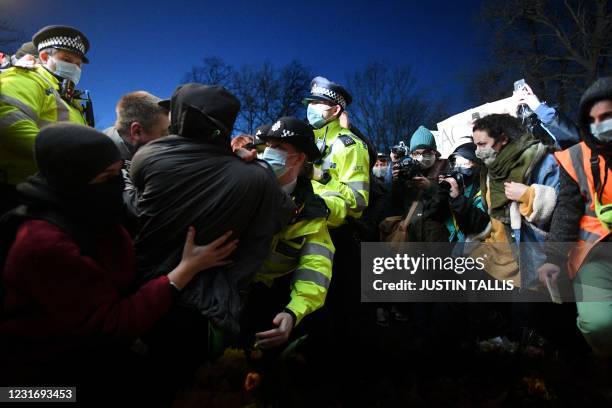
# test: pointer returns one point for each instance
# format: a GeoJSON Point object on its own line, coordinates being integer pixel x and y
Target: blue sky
{"type": "Point", "coordinates": [150, 45]}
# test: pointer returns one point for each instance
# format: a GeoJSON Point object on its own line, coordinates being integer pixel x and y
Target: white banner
{"type": "Point", "coordinates": [457, 129]}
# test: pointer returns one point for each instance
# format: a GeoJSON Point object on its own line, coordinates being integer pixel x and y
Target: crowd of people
{"type": "Point", "coordinates": [140, 252]}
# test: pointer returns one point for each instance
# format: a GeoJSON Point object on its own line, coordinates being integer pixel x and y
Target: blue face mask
{"type": "Point", "coordinates": [314, 113]}
{"type": "Point", "coordinates": [67, 70]}
{"type": "Point", "coordinates": [276, 158]}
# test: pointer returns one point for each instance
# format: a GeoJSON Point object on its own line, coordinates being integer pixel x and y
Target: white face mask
{"type": "Point", "coordinates": [65, 70]}
{"type": "Point", "coordinates": [602, 131]}
{"type": "Point", "coordinates": [426, 159]}
{"type": "Point", "coordinates": [379, 171]}
{"type": "Point", "coordinates": [486, 154]}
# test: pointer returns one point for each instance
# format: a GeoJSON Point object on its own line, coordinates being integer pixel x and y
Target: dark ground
{"type": "Point", "coordinates": [417, 363]}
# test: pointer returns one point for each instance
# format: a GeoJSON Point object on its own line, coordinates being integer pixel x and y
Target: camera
{"type": "Point", "coordinates": [457, 176]}
{"type": "Point", "coordinates": [400, 150]}
{"type": "Point", "coordinates": [408, 168]}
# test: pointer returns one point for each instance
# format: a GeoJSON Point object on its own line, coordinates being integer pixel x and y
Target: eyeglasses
{"type": "Point", "coordinates": [425, 155]}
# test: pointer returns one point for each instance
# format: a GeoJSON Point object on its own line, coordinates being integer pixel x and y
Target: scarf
{"type": "Point", "coordinates": [511, 164]}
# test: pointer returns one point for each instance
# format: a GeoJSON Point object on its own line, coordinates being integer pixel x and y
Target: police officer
{"type": "Point", "coordinates": [301, 256]}
{"type": "Point", "coordinates": [345, 187]}
{"type": "Point", "coordinates": [36, 96]}
{"type": "Point", "coordinates": [345, 157]}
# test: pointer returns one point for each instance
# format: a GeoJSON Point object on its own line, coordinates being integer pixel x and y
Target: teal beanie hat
{"type": "Point", "coordinates": [422, 138]}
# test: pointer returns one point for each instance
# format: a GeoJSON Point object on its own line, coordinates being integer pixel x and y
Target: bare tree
{"type": "Point", "coordinates": [559, 47]}
{"type": "Point", "coordinates": [265, 92]}
{"type": "Point", "coordinates": [213, 71]}
{"type": "Point", "coordinates": [387, 105]}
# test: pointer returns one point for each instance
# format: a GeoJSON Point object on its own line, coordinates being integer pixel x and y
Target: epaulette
{"type": "Point", "coordinates": [347, 140]}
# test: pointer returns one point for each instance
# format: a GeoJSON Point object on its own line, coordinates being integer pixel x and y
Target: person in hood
{"type": "Point", "coordinates": [192, 177]}
{"type": "Point", "coordinates": [583, 216]}
{"type": "Point", "coordinates": [35, 96]}
{"type": "Point", "coordinates": [460, 188]}
{"type": "Point", "coordinates": [71, 303]}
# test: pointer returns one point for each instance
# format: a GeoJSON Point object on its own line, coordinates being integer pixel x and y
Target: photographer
{"type": "Point", "coordinates": [415, 177]}
{"type": "Point", "coordinates": [460, 205]}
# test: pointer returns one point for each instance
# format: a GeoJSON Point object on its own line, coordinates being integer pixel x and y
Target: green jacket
{"type": "Point", "coordinates": [348, 163]}
{"type": "Point", "coordinates": [29, 100]}
{"type": "Point", "coordinates": [305, 250]}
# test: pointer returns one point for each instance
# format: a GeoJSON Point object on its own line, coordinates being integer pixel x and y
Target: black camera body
{"type": "Point", "coordinates": [459, 178]}
{"type": "Point", "coordinates": [400, 150]}
{"type": "Point", "coordinates": [408, 168]}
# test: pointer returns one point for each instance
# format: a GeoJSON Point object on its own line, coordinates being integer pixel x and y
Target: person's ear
{"type": "Point", "coordinates": [298, 158]}
{"type": "Point", "coordinates": [43, 57]}
{"type": "Point", "coordinates": [135, 132]}
{"type": "Point", "coordinates": [338, 111]}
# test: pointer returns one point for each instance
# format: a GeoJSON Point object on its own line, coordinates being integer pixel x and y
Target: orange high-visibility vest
{"type": "Point", "coordinates": [576, 162]}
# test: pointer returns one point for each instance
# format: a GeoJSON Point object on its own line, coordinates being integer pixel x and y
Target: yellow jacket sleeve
{"type": "Point", "coordinates": [21, 101]}
{"type": "Point", "coordinates": [311, 279]}
{"type": "Point", "coordinates": [347, 193]}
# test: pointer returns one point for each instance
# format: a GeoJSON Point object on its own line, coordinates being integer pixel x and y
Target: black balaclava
{"type": "Point", "coordinates": [69, 156]}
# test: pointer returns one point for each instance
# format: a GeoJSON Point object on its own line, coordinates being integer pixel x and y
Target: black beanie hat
{"type": "Point", "coordinates": [69, 156]}
{"type": "Point", "coordinates": [467, 151]}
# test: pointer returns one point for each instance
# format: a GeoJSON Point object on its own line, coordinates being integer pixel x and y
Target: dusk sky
{"type": "Point", "coordinates": [150, 45]}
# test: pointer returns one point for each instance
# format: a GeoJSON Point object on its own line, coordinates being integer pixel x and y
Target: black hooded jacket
{"type": "Point", "coordinates": [183, 181]}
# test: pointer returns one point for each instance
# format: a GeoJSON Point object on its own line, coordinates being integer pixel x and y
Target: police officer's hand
{"type": "Point", "coordinates": [514, 191]}
{"type": "Point", "coordinates": [197, 258]}
{"type": "Point", "coordinates": [421, 182]}
{"type": "Point", "coordinates": [279, 335]}
{"type": "Point", "coordinates": [549, 270]}
{"type": "Point", "coordinates": [454, 187]}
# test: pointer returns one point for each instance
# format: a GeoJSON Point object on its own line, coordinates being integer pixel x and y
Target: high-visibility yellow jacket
{"type": "Point", "coordinates": [29, 100]}
{"type": "Point", "coordinates": [348, 163]}
{"type": "Point", "coordinates": [303, 249]}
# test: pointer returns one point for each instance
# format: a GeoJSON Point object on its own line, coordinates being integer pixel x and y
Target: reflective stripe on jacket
{"type": "Point", "coordinates": [348, 163]}
{"type": "Point", "coordinates": [576, 162]}
{"type": "Point", "coordinates": [304, 249]}
{"type": "Point", "coordinates": [29, 100]}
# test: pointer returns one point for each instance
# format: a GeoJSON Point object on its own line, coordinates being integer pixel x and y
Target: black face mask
{"type": "Point", "coordinates": [99, 203]}
{"type": "Point", "coordinates": [467, 172]}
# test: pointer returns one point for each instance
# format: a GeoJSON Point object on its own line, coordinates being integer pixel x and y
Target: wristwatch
{"type": "Point", "coordinates": [175, 289]}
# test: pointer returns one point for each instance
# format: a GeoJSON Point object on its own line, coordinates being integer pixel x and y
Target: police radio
{"type": "Point", "coordinates": [67, 90]}
{"type": "Point", "coordinates": [88, 110]}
